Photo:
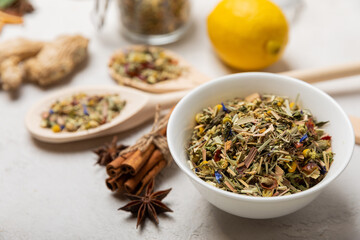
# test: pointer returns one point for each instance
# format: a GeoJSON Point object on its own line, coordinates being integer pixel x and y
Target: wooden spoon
{"type": "Point", "coordinates": [189, 79]}
{"type": "Point", "coordinates": [325, 73]}
{"type": "Point", "coordinates": [139, 108]}
{"type": "Point", "coordinates": [355, 121]}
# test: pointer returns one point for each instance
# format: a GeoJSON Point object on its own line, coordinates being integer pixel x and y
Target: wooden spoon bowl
{"type": "Point", "coordinates": [189, 78]}
{"type": "Point", "coordinates": [139, 108]}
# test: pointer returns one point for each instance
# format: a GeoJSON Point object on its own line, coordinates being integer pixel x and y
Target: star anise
{"type": "Point", "coordinates": [148, 205]}
{"type": "Point", "coordinates": [108, 152]}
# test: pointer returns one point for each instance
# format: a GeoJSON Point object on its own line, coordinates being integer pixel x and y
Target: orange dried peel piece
{"type": "Point", "coordinates": [11, 19]}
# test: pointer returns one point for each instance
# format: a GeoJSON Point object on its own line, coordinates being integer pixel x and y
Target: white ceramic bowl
{"type": "Point", "coordinates": [322, 106]}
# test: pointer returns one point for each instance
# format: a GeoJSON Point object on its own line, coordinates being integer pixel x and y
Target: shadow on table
{"type": "Point", "coordinates": [91, 144]}
{"type": "Point", "coordinates": [329, 217]}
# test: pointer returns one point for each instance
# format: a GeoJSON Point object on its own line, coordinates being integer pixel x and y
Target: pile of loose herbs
{"type": "Point", "coordinates": [82, 112]}
{"type": "Point", "coordinates": [260, 146]}
{"type": "Point", "coordinates": [150, 65]}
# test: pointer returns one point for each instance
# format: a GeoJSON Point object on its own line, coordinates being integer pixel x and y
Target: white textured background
{"type": "Point", "coordinates": [56, 192]}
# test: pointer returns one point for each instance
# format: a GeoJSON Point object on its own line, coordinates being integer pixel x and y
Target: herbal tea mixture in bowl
{"type": "Point", "coordinates": [149, 65]}
{"type": "Point", "coordinates": [82, 112]}
{"type": "Point", "coordinates": [263, 145]}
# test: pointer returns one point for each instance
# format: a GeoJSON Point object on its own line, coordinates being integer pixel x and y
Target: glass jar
{"type": "Point", "coordinates": [291, 8]}
{"type": "Point", "coordinates": [154, 22]}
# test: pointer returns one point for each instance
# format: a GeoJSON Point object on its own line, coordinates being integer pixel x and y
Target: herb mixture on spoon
{"type": "Point", "coordinates": [147, 64]}
{"type": "Point", "coordinates": [82, 112]}
{"type": "Point", "coordinates": [260, 146]}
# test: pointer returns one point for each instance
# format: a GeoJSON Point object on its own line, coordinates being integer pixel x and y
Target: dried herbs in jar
{"type": "Point", "coordinates": [154, 17]}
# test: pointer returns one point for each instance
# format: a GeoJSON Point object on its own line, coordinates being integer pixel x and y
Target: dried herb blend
{"type": "Point", "coordinates": [82, 112]}
{"type": "Point", "coordinates": [148, 64]}
{"type": "Point", "coordinates": [260, 146]}
{"type": "Point", "coordinates": [154, 17]}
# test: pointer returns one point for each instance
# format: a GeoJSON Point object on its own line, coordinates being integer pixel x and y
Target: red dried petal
{"type": "Point", "coordinates": [310, 167]}
{"type": "Point", "coordinates": [217, 155]}
{"type": "Point", "coordinates": [310, 125]}
{"type": "Point", "coordinates": [326, 137]}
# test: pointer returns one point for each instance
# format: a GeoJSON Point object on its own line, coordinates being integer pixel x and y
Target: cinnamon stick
{"type": "Point", "coordinates": [120, 182]}
{"type": "Point", "coordinates": [113, 168]}
{"type": "Point", "coordinates": [117, 183]}
{"type": "Point", "coordinates": [134, 163]}
{"type": "Point", "coordinates": [132, 183]}
{"type": "Point", "coordinates": [143, 166]}
{"type": "Point", "coordinates": [110, 183]}
{"type": "Point", "coordinates": [151, 174]}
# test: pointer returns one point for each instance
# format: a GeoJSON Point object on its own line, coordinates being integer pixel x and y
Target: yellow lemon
{"type": "Point", "coordinates": [248, 34]}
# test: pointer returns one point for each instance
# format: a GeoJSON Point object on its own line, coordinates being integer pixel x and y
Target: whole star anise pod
{"type": "Point", "coordinates": [108, 152]}
{"type": "Point", "coordinates": [148, 205]}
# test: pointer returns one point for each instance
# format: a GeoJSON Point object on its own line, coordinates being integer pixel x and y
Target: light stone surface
{"type": "Point", "coordinates": [56, 192]}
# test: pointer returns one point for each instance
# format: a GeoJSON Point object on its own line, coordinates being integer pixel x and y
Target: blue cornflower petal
{"type": "Point", "coordinates": [303, 138]}
{"type": "Point", "coordinates": [224, 108]}
{"type": "Point", "coordinates": [322, 170]}
{"type": "Point", "coordinates": [229, 135]}
{"type": "Point", "coordinates": [196, 170]}
{"type": "Point", "coordinates": [51, 111]}
{"type": "Point", "coordinates": [62, 127]}
{"type": "Point", "coordinates": [218, 176]}
{"type": "Point", "coordinates": [85, 110]}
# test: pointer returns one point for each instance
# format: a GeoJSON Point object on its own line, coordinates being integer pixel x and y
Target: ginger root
{"type": "Point", "coordinates": [11, 73]}
{"type": "Point", "coordinates": [56, 60]}
{"type": "Point", "coordinates": [42, 63]}
{"type": "Point", "coordinates": [19, 47]}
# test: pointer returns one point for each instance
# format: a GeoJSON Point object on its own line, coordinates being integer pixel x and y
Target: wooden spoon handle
{"type": "Point", "coordinates": [326, 73]}
{"type": "Point", "coordinates": [355, 121]}
{"type": "Point", "coordinates": [166, 100]}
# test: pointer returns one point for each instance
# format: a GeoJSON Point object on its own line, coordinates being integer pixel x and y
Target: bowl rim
{"type": "Point", "coordinates": [313, 190]}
